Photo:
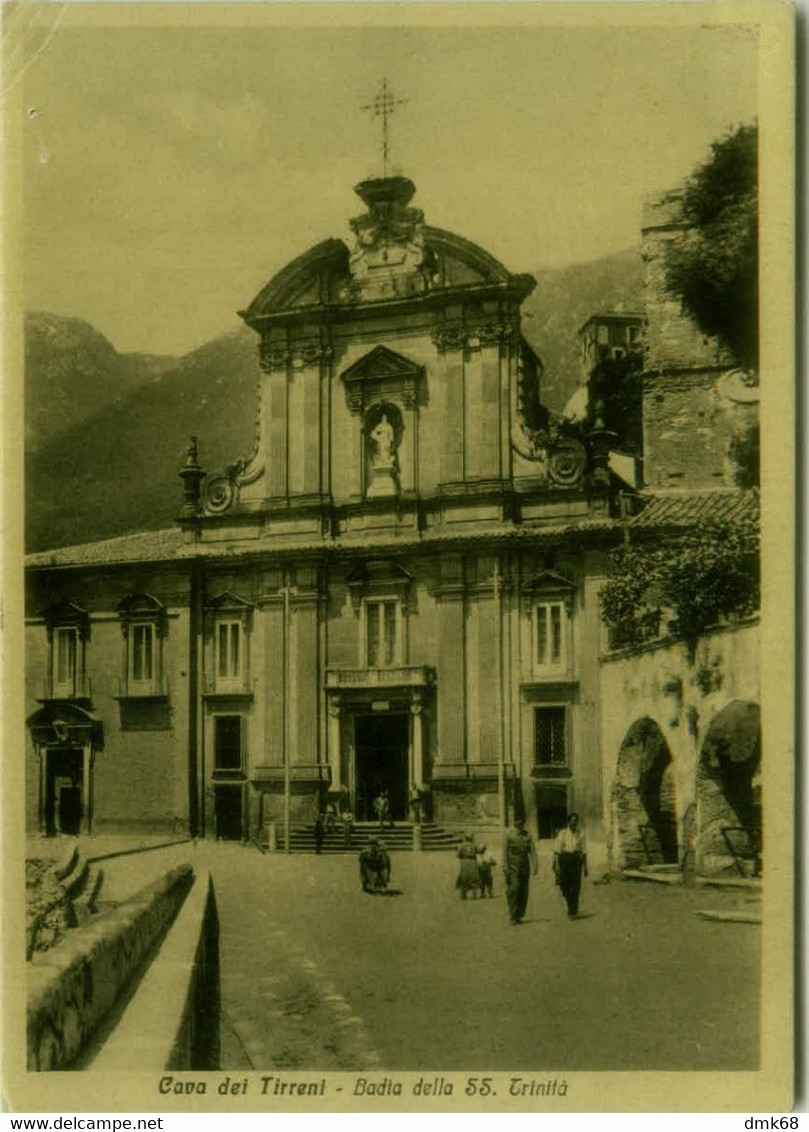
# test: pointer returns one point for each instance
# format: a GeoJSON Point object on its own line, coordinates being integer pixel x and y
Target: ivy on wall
{"type": "Point", "coordinates": [704, 577]}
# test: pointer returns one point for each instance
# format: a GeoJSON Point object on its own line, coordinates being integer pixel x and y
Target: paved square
{"type": "Point", "coordinates": [317, 974]}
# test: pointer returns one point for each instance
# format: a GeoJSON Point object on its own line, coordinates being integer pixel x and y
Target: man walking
{"type": "Point", "coordinates": [569, 862]}
{"type": "Point", "coordinates": [520, 862]}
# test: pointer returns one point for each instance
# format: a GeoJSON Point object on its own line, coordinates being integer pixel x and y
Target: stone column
{"type": "Point", "coordinates": [276, 685]}
{"type": "Point", "coordinates": [334, 743]}
{"type": "Point", "coordinates": [451, 678]}
{"type": "Point", "coordinates": [417, 717]}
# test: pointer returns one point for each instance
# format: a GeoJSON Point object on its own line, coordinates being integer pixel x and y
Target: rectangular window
{"type": "Point", "coordinates": [228, 650]}
{"type": "Point", "coordinates": [227, 742]}
{"type": "Point", "coordinates": [142, 654]}
{"type": "Point", "coordinates": [381, 634]}
{"type": "Point", "coordinates": [550, 746]}
{"type": "Point", "coordinates": [66, 658]}
{"type": "Point", "coordinates": [551, 624]}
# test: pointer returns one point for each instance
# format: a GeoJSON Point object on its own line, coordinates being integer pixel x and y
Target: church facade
{"type": "Point", "coordinates": [395, 590]}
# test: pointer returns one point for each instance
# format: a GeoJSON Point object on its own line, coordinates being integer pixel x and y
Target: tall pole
{"type": "Point", "coordinates": [501, 769]}
{"type": "Point", "coordinates": [287, 776]}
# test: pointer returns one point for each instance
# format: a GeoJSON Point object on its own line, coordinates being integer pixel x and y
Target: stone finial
{"type": "Point", "coordinates": [192, 476]}
{"type": "Point", "coordinates": [601, 440]}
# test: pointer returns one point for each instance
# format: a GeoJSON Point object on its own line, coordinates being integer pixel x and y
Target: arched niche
{"type": "Point", "coordinates": [729, 792]}
{"type": "Point", "coordinates": [644, 810]}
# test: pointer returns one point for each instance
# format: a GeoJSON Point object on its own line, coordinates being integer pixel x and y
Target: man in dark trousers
{"type": "Point", "coordinates": [320, 829]}
{"type": "Point", "coordinates": [569, 862]}
{"type": "Point", "coordinates": [520, 861]}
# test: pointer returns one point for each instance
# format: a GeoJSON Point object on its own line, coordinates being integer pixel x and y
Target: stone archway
{"type": "Point", "coordinates": [729, 792]}
{"type": "Point", "coordinates": [643, 799]}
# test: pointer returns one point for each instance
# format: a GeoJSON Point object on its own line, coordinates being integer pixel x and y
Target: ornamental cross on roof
{"type": "Point", "coordinates": [382, 107]}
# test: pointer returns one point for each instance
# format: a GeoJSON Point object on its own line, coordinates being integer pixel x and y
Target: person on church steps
{"type": "Point", "coordinates": [382, 809]}
{"type": "Point", "coordinates": [320, 829]}
{"type": "Point", "coordinates": [569, 862]}
{"type": "Point", "coordinates": [374, 866]}
{"type": "Point", "coordinates": [520, 862]}
{"type": "Point", "coordinates": [347, 818]}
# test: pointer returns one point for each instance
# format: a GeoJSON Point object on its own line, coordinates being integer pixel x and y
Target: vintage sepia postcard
{"type": "Point", "coordinates": [399, 538]}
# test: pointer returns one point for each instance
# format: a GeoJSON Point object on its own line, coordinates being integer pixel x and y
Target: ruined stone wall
{"type": "Point", "coordinates": [689, 410]}
{"type": "Point", "coordinates": [681, 695]}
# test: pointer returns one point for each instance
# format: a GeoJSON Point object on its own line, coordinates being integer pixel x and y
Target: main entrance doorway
{"type": "Point", "coordinates": [380, 751]}
{"type": "Point", "coordinates": [63, 791]}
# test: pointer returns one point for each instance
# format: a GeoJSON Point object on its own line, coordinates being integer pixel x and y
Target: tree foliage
{"type": "Point", "coordinates": [713, 269]}
{"type": "Point", "coordinates": [616, 385]}
{"type": "Point", "coordinates": [744, 452]}
{"type": "Point", "coordinates": [704, 576]}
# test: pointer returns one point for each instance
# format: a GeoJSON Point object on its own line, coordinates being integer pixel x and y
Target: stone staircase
{"type": "Point", "coordinates": [397, 838]}
{"type": "Point", "coordinates": [61, 895]}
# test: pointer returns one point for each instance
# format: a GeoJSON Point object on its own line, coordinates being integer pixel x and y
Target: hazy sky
{"type": "Point", "coordinates": [169, 172]}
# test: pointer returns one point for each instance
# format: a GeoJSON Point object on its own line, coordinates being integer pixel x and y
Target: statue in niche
{"type": "Point", "coordinates": [382, 437]}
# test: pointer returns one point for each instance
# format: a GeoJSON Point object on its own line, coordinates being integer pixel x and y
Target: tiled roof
{"type": "Point", "coordinates": [168, 545]}
{"type": "Point", "coordinates": [684, 509]}
{"type": "Point", "coordinates": [144, 546]}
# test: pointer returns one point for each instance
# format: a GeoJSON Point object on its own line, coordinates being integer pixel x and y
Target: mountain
{"type": "Point", "coordinates": [107, 433]}
{"type": "Point", "coordinates": [563, 300]}
{"type": "Point", "coordinates": [116, 470]}
{"type": "Point", "coordinates": [72, 371]}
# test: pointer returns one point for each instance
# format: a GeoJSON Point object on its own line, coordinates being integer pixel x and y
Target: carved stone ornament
{"type": "Point", "coordinates": [567, 462]}
{"type": "Point", "coordinates": [280, 357]}
{"type": "Point", "coordinates": [457, 337]}
{"type": "Point", "coordinates": [489, 333]}
{"type": "Point", "coordinates": [388, 255]}
{"type": "Point", "coordinates": [530, 443]}
{"type": "Point", "coordinates": [220, 494]}
{"type": "Point", "coordinates": [274, 357]}
{"type": "Point", "coordinates": [449, 338]}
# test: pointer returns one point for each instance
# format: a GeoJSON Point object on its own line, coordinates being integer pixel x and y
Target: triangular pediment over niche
{"type": "Point", "coordinates": [382, 372]}
{"type": "Point", "coordinates": [381, 362]}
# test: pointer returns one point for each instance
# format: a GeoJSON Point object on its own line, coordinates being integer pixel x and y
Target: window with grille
{"type": "Point", "coordinates": [382, 646]}
{"type": "Point", "coordinates": [228, 753]}
{"type": "Point", "coordinates": [550, 630]}
{"type": "Point", "coordinates": [550, 736]}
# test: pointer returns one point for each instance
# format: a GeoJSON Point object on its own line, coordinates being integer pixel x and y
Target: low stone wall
{"type": "Point", "coordinates": [72, 987]}
{"type": "Point", "coordinates": [172, 1020]}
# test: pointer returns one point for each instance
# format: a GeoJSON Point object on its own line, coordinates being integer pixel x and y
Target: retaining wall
{"type": "Point", "coordinates": [172, 1020]}
{"type": "Point", "coordinates": [74, 986]}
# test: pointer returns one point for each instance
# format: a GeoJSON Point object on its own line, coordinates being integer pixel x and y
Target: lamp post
{"type": "Point", "coordinates": [501, 770]}
{"type": "Point", "coordinates": [287, 769]}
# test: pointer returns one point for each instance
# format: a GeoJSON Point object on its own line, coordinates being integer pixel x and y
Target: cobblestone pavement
{"type": "Point", "coordinates": [318, 975]}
